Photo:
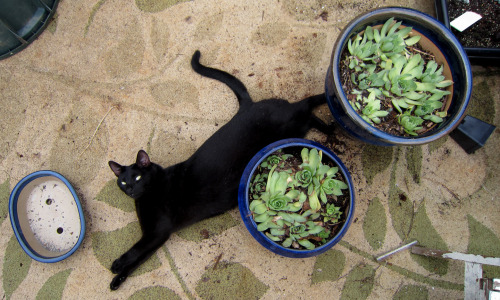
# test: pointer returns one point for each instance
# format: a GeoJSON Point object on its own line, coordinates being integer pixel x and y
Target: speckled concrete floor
{"type": "Point", "coordinates": [126, 64]}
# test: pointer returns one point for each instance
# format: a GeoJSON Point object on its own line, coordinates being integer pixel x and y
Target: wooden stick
{"type": "Point", "coordinates": [95, 131]}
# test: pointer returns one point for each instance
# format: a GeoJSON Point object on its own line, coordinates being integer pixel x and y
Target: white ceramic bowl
{"type": "Point", "coordinates": [46, 216]}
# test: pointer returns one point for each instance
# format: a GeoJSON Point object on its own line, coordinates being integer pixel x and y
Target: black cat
{"type": "Point", "coordinates": [206, 184]}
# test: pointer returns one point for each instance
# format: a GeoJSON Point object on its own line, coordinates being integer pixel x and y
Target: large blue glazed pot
{"type": "Point", "coordinates": [46, 216]}
{"type": "Point", "coordinates": [437, 34]}
{"type": "Point", "coordinates": [246, 214]}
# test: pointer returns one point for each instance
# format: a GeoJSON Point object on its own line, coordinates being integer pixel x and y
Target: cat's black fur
{"type": "Point", "coordinates": [206, 184]}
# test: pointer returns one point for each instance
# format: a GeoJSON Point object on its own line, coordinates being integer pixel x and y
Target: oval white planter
{"type": "Point", "coordinates": [46, 216]}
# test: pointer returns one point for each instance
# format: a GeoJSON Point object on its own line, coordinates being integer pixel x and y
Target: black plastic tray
{"type": "Point", "coordinates": [490, 56]}
{"type": "Point", "coordinates": [472, 134]}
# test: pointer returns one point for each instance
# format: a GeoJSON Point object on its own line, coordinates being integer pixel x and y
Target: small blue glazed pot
{"type": "Point", "coordinates": [437, 34]}
{"type": "Point", "coordinates": [246, 214]}
{"type": "Point", "coordinates": [46, 216]}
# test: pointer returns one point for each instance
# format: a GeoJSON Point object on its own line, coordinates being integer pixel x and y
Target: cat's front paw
{"type": "Point", "coordinates": [117, 281]}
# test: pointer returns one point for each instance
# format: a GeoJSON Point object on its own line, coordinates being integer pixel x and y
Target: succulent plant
{"type": "Point", "coordinates": [389, 77]}
{"type": "Point", "coordinates": [274, 159]}
{"type": "Point", "coordinates": [332, 213]}
{"type": "Point", "coordinates": [288, 208]}
{"type": "Point", "coordinates": [258, 184]}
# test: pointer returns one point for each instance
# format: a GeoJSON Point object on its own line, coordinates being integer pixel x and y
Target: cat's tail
{"type": "Point", "coordinates": [234, 84]}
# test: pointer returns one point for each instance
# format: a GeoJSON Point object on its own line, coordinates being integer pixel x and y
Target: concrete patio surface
{"type": "Point", "coordinates": [108, 78]}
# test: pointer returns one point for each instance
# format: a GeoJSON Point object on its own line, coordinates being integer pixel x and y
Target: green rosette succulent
{"type": "Point", "coordinates": [410, 123]}
{"type": "Point", "coordinates": [332, 213]}
{"type": "Point", "coordinates": [271, 161]}
{"type": "Point", "coordinates": [273, 199]}
{"type": "Point", "coordinates": [311, 161]}
{"type": "Point", "coordinates": [299, 233]}
{"type": "Point", "coordinates": [331, 186]}
{"type": "Point", "coordinates": [323, 182]}
{"type": "Point", "coordinates": [278, 202]}
{"type": "Point", "coordinates": [391, 78]}
{"type": "Point", "coordinates": [275, 159]}
{"type": "Point", "coordinates": [258, 184]}
{"type": "Point", "coordinates": [305, 177]}
{"type": "Point", "coordinates": [280, 197]}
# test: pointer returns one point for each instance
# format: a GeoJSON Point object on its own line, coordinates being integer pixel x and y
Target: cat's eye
{"type": "Point", "coordinates": [123, 183]}
{"type": "Point", "coordinates": [138, 178]}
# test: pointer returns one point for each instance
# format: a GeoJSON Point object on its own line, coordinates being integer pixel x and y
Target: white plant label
{"type": "Point", "coordinates": [464, 21]}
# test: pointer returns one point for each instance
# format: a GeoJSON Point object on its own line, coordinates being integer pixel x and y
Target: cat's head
{"type": "Point", "coordinates": [135, 179]}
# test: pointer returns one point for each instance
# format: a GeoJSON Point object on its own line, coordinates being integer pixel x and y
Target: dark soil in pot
{"type": "Point", "coordinates": [483, 34]}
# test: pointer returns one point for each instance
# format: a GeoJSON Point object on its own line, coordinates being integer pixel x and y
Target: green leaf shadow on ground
{"type": "Point", "coordinates": [54, 286]}
{"type": "Point", "coordinates": [359, 282]}
{"type": "Point", "coordinates": [482, 241]}
{"type": "Point", "coordinates": [207, 228]}
{"type": "Point", "coordinates": [155, 292]}
{"type": "Point", "coordinates": [328, 266]}
{"type": "Point", "coordinates": [108, 246]}
{"type": "Point", "coordinates": [401, 210]}
{"type": "Point", "coordinates": [375, 224]}
{"type": "Point", "coordinates": [431, 147]}
{"type": "Point", "coordinates": [414, 158]}
{"type": "Point", "coordinates": [427, 236]}
{"type": "Point", "coordinates": [156, 5]}
{"type": "Point", "coordinates": [16, 265]}
{"type": "Point", "coordinates": [4, 200]}
{"type": "Point", "coordinates": [411, 292]}
{"type": "Point", "coordinates": [375, 159]}
{"type": "Point", "coordinates": [112, 195]}
{"type": "Point", "coordinates": [230, 281]}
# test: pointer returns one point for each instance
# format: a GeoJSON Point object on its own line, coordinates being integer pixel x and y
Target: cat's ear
{"type": "Point", "coordinates": [143, 159]}
{"type": "Point", "coordinates": [115, 167]}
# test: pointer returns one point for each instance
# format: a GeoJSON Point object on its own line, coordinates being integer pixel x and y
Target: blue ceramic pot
{"type": "Point", "coordinates": [246, 214]}
{"type": "Point", "coordinates": [46, 216]}
{"type": "Point", "coordinates": [437, 34]}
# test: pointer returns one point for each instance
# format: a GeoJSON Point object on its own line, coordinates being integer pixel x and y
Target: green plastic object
{"type": "Point", "coordinates": [21, 22]}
